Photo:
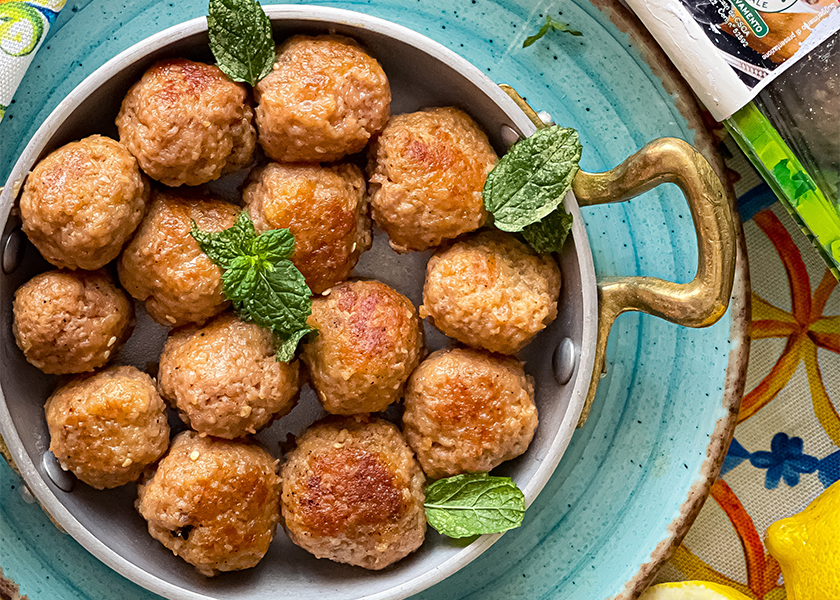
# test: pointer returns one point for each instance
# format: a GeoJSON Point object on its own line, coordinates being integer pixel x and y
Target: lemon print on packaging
{"type": "Point", "coordinates": [21, 28]}
{"type": "Point", "coordinates": [807, 546]}
{"type": "Point", "coordinates": [692, 590]}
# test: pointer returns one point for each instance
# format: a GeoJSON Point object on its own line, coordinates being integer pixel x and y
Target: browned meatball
{"type": "Point", "coordinates": [323, 99]}
{"type": "Point", "coordinates": [106, 428]}
{"type": "Point", "coordinates": [353, 493]}
{"type": "Point", "coordinates": [187, 123]}
{"type": "Point", "coordinates": [215, 503]}
{"type": "Point", "coordinates": [369, 341]}
{"type": "Point", "coordinates": [323, 207]}
{"type": "Point", "coordinates": [467, 410]}
{"type": "Point", "coordinates": [491, 291]}
{"type": "Point", "coordinates": [163, 264]}
{"type": "Point", "coordinates": [82, 202]}
{"type": "Point", "coordinates": [71, 321]}
{"type": "Point", "coordinates": [427, 170]}
{"type": "Point", "coordinates": [224, 378]}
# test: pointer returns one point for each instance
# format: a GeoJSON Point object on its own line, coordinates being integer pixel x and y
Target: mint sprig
{"type": "Point", "coordinates": [550, 233]}
{"type": "Point", "coordinates": [474, 504]}
{"type": "Point", "coordinates": [529, 182]}
{"type": "Point", "coordinates": [550, 24]}
{"type": "Point", "coordinates": [240, 39]}
{"type": "Point", "coordinates": [261, 282]}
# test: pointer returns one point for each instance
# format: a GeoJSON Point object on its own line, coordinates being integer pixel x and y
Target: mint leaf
{"type": "Point", "coordinates": [224, 246]}
{"type": "Point", "coordinates": [474, 504]}
{"type": "Point", "coordinates": [277, 298]}
{"type": "Point", "coordinates": [287, 347]}
{"type": "Point", "coordinates": [240, 39]}
{"type": "Point", "coordinates": [549, 234]}
{"type": "Point", "coordinates": [530, 181]}
{"type": "Point", "coordinates": [261, 282]}
{"type": "Point", "coordinates": [550, 23]}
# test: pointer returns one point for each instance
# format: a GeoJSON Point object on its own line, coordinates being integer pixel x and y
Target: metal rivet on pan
{"type": "Point", "coordinates": [545, 117]}
{"type": "Point", "coordinates": [61, 478]}
{"type": "Point", "coordinates": [564, 360]}
{"type": "Point", "coordinates": [12, 250]}
{"type": "Point", "coordinates": [509, 136]}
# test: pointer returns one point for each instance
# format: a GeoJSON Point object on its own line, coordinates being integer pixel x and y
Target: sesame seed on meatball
{"type": "Point", "coordinates": [323, 207]}
{"type": "Point", "coordinates": [353, 493]}
{"type": "Point", "coordinates": [215, 503]}
{"type": "Point", "coordinates": [82, 202]}
{"type": "Point", "coordinates": [491, 291]}
{"type": "Point", "coordinates": [369, 341]}
{"type": "Point", "coordinates": [187, 123]}
{"type": "Point", "coordinates": [163, 264]}
{"type": "Point", "coordinates": [224, 377]}
{"type": "Point", "coordinates": [107, 427]}
{"type": "Point", "coordinates": [426, 171]}
{"type": "Point", "coordinates": [71, 321]}
{"type": "Point", "coordinates": [324, 98]}
{"type": "Point", "coordinates": [468, 410]}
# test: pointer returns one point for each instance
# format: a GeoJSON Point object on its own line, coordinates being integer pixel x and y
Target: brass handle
{"type": "Point", "coordinates": [703, 300]}
{"type": "Point", "coordinates": [698, 303]}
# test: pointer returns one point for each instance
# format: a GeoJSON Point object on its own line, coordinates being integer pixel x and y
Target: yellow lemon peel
{"type": "Point", "coordinates": [807, 546]}
{"type": "Point", "coordinates": [692, 590]}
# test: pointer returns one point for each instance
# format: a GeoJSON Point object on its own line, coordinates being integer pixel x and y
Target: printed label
{"type": "Point", "coordinates": [758, 37]}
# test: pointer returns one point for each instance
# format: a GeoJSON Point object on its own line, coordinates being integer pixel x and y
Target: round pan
{"type": "Point", "coordinates": [422, 73]}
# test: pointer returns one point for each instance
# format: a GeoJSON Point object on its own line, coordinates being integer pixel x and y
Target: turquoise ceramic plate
{"type": "Point", "coordinates": [633, 478]}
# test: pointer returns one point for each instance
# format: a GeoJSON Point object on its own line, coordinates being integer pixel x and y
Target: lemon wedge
{"type": "Point", "coordinates": [807, 546]}
{"type": "Point", "coordinates": [692, 590]}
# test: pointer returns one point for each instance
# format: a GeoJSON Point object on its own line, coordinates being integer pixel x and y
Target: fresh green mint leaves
{"type": "Point", "coordinates": [240, 39]}
{"type": "Point", "coordinates": [474, 504]}
{"type": "Point", "coordinates": [550, 233]}
{"type": "Point", "coordinates": [550, 23]}
{"type": "Point", "coordinates": [524, 192]}
{"type": "Point", "coordinates": [259, 279]}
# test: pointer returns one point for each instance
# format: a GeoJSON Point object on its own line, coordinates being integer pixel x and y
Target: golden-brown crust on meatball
{"type": "Point", "coordinates": [163, 264]}
{"type": "Point", "coordinates": [107, 427]}
{"type": "Point", "coordinates": [71, 321]}
{"type": "Point", "coordinates": [353, 493]}
{"type": "Point", "coordinates": [427, 170]}
{"type": "Point", "coordinates": [224, 377]}
{"type": "Point", "coordinates": [82, 202]}
{"type": "Point", "coordinates": [187, 123]}
{"type": "Point", "coordinates": [491, 291]}
{"type": "Point", "coordinates": [468, 410]}
{"type": "Point", "coordinates": [323, 100]}
{"type": "Point", "coordinates": [369, 341]}
{"type": "Point", "coordinates": [323, 207]}
{"type": "Point", "coordinates": [215, 503]}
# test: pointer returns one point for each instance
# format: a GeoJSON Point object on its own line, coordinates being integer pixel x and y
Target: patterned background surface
{"type": "Point", "coordinates": [786, 449]}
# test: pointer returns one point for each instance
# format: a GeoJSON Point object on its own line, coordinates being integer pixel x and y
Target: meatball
{"type": "Point", "coordinates": [369, 341]}
{"type": "Point", "coordinates": [427, 170]}
{"type": "Point", "coordinates": [187, 123]}
{"type": "Point", "coordinates": [491, 291]}
{"type": "Point", "coordinates": [71, 321]}
{"type": "Point", "coordinates": [323, 99]}
{"type": "Point", "coordinates": [82, 202]}
{"type": "Point", "coordinates": [215, 503]}
{"type": "Point", "coordinates": [467, 410]}
{"type": "Point", "coordinates": [163, 264]}
{"type": "Point", "coordinates": [353, 493]}
{"type": "Point", "coordinates": [323, 207]}
{"type": "Point", "coordinates": [224, 377]}
{"type": "Point", "coordinates": [106, 428]}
